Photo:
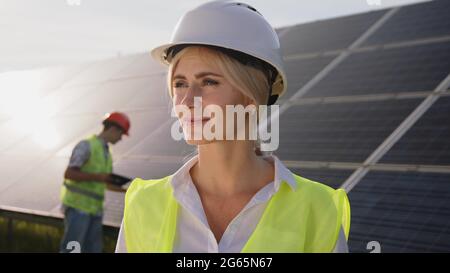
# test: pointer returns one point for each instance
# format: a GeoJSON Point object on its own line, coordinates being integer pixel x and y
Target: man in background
{"type": "Point", "coordinates": [85, 181]}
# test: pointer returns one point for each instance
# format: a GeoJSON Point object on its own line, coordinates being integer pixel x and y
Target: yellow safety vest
{"type": "Point", "coordinates": [88, 196]}
{"type": "Point", "coordinates": [305, 220]}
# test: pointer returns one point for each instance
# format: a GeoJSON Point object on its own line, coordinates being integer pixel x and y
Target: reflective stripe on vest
{"type": "Point", "coordinates": [88, 196]}
{"type": "Point", "coordinates": [305, 220]}
{"type": "Point", "coordinates": [83, 192]}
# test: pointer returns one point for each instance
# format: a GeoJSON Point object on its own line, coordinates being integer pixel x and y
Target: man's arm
{"type": "Point", "coordinates": [75, 174]}
{"type": "Point", "coordinates": [80, 155]}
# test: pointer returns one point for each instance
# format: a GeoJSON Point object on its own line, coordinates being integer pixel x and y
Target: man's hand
{"type": "Point", "coordinates": [115, 188]}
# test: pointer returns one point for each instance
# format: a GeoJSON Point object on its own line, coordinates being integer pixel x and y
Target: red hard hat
{"type": "Point", "coordinates": [120, 119]}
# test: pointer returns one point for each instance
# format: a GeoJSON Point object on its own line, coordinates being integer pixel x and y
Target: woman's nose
{"type": "Point", "coordinates": [191, 93]}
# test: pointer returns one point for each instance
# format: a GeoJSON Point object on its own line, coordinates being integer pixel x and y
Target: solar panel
{"type": "Point", "coordinates": [280, 30]}
{"type": "Point", "coordinates": [331, 177]}
{"type": "Point", "coordinates": [143, 123]}
{"type": "Point", "coordinates": [420, 21]}
{"type": "Point", "coordinates": [152, 94]}
{"type": "Point", "coordinates": [403, 211]}
{"type": "Point", "coordinates": [327, 35]}
{"type": "Point", "coordinates": [408, 69]}
{"type": "Point", "coordinates": [160, 142]}
{"type": "Point", "coordinates": [101, 71]}
{"type": "Point", "coordinates": [428, 141]}
{"type": "Point", "coordinates": [113, 208]}
{"type": "Point", "coordinates": [49, 135]}
{"type": "Point", "coordinates": [37, 189]}
{"type": "Point", "coordinates": [145, 169]}
{"type": "Point", "coordinates": [107, 96]}
{"type": "Point", "coordinates": [13, 166]}
{"type": "Point", "coordinates": [339, 132]}
{"type": "Point", "coordinates": [38, 81]}
{"type": "Point", "coordinates": [300, 71]}
{"type": "Point", "coordinates": [27, 117]}
{"type": "Point", "coordinates": [23, 88]}
{"type": "Point", "coordinates": [141, 66]}
{"type": "Point", "coordinates": [39, 112]}
{"type": "Point", "coordinates": [11, 132]}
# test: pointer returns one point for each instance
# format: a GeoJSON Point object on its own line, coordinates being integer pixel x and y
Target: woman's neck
{"type": "Point", "coordinates": [230, 168]}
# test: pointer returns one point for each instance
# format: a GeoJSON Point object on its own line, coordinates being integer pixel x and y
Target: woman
{"type": "Point", "coordinates": [229, 198]}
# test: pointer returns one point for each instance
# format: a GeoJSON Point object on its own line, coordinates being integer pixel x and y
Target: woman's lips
{"type": "Point", "coordinates": [195, 120]}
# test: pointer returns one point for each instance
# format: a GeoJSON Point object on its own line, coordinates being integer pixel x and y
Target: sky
{"type": "Point", "coordinates": [44, 33]}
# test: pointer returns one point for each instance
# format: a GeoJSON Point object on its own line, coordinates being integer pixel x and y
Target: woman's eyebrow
{"type": "Point", "coordinates": [198, 75]}
{"type": "Point", "coordinates": [179, 77]}
{"type": "Point", "coordinates": [204, 74]}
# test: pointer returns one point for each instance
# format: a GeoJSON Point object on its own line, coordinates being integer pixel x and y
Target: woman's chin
{"type": "Point", "coordinates": [199, 142]}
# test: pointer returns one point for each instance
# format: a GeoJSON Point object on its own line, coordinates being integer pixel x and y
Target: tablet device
{"type": "Point", "coordinates": [119, 180]}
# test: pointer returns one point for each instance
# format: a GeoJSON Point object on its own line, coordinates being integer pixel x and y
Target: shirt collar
{"type": "Point", "coordinates": [282, 174]}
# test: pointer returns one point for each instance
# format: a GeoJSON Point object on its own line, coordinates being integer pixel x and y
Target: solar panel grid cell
{"type": "Point", "coordinates": [403, 211]}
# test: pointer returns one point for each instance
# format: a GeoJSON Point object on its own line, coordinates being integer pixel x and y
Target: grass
{"type": "Point", "coordinates": [28, 236]}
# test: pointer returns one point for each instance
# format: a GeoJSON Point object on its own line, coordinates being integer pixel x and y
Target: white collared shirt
{"type": "Point", "coordinates": [193, 233]}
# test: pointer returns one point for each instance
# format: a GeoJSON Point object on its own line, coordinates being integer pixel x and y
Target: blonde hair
{"type": "Point", "coordinates": [252, 82]}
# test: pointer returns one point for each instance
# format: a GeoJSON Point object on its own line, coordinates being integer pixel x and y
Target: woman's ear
{"type": "Point", "coordinates": [249, 101]}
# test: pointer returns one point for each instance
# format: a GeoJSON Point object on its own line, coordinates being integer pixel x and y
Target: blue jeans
{"type": "Point", "coordinates": [85, 230]}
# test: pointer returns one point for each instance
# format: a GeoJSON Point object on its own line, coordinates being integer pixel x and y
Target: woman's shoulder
{"type": "Point", "coordinates": [142, 185]}
{"type": "Point", "coordinates": [297, 179]}
{"type": "Point", "coordinates": [323, 195]}
{"type": "Point", "coordinates": [314, 187]}
{"type": "Point", "coordinates": [306, 182]}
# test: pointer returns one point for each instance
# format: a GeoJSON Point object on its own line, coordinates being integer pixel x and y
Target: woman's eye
{"type": "Point", "coordinates": [210, 82]}
{"type": "Point", "coordinates": [179, 84]}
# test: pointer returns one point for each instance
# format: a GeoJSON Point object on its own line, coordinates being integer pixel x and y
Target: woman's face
{"type": "Point", "coordinates": [193, 77]}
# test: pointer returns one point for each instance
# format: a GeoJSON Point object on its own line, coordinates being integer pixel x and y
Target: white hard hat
{"type": "Point", "coordinates": [229, 25]}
